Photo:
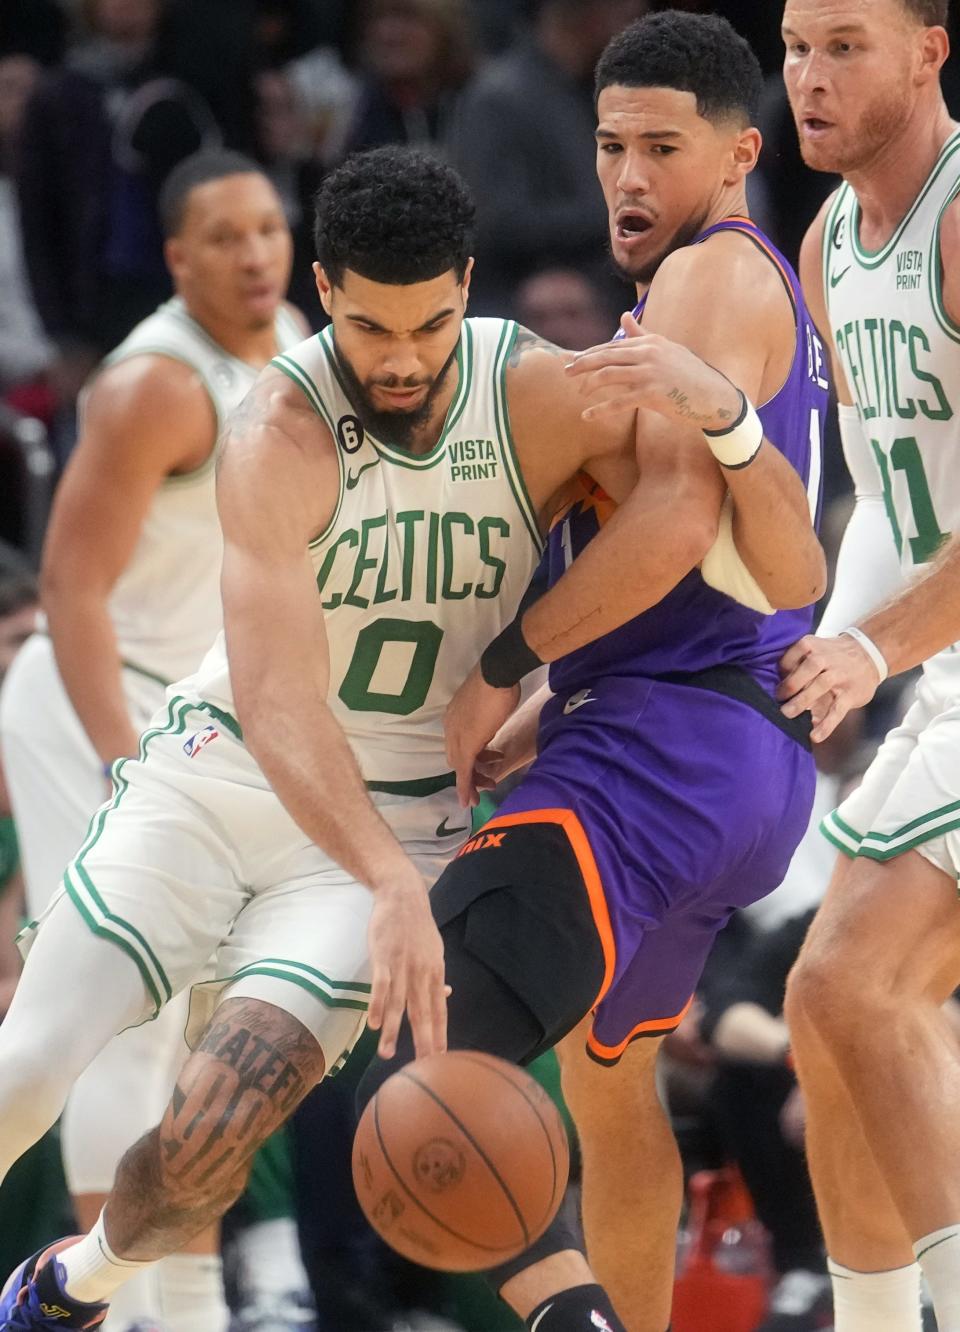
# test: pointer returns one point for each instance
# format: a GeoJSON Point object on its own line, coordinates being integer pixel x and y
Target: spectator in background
{"type": "Point", "coordinates": [565, 307]}
{"type": "Point", "coordinates": [284, 148]}
{"type": "Point", "coordinates": [416, 55]}
{"type": "Point", "coordinates": [522, 136]}
{"type": "Point", "coordinates": [98, 138]}
{"type": "Point", "coordinates": [33, 27]}
{"type": "Point", "coordinates": [25, 351]}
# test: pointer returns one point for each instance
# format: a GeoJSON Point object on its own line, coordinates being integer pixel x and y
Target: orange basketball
{"type": "Point", "coordinates": [460, 1161]}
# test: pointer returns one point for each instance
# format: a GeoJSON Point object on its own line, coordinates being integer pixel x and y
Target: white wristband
{"type": "Point", "coordinates": [871, 649]}
{"type": "Point", "coordinates": [740, 443]}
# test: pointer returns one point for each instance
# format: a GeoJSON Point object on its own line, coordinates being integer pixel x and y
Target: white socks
{"type": "Point", "coordinates": [191, 1293]}
{"type": "Point", "coordinates": [188, 1287]}
{"type": "Point", "coordinates": [877, 1301]}
{"type": "Point", "coordinates": [270, 1262]}
{"type": "Point", "coordinates": [939, 1256]}
{"type": "Point", "coordinates": [93, 1270]}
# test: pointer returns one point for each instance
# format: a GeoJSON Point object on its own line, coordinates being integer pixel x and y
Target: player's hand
{"type": "Point", "coordinates": [474, 716]}
{"type": "Point", "coordinates": [406, 952]}
{"type": "Point", "coordinates": [827, 677]}
{"type": "Point", "coordinates": [647, 370]}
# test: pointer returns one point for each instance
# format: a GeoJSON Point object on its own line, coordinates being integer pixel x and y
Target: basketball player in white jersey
{"type": "Point", "coordinates": [403, 466]}
{"type": "Point", "coordinates": [131, 594]}
{"type": "Point", "coordinates": [881, 269]}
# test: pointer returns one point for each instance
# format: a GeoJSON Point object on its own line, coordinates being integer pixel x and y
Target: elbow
{"type": "Point", "coordinates": [799, 593]}
{"type": "Point", "coordinates": [807, 588]}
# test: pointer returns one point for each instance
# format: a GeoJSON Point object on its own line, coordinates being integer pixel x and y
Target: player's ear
{"type": "Point", "coordinates": [934, 50]}
{"type": "Point", "coordinates": [175, 257]}
{"type": "Point", "coordinates": [324, 287]}
{"type": "Point", "coordinates": [465, 284]}
{"type": "Point", "coordinates": [746, 154]}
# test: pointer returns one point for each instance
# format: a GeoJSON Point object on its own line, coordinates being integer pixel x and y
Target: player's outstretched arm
{"type": "Point", "coordinates": [277, 484]}
{"type": "Point", "coordinates": [831, 676]}
{"type": "Point", "coordinates": [126, 449]}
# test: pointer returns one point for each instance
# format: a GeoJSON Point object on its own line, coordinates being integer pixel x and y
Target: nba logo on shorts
{"type": "Point", "coordinates": [197, 742]}
{"type": "Point", "coordinates": [598, 1320]}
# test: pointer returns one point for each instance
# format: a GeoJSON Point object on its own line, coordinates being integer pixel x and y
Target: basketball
{"type": "Point", "coordinates": [460, 1161]}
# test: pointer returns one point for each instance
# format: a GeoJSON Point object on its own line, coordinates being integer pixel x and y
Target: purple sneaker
{"type": "Point", "coordinates": [34, 1297]}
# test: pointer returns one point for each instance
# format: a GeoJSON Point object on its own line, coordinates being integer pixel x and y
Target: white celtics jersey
{"type": "Point", "coordinates": [900, 352]}
{"type": "Point", "coordinates": [165, 606]}
{"type": "Point", "coordinates": [423, 563]}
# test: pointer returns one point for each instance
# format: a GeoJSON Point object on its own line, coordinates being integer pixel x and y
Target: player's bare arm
{"type": "Point", "coordinates": [145, 419]}
{"type": "Point", "coordinates": [645, 551]}
{"type": "Point", "coordinates": [276, 489]}
{"type": "Point", "coordinates": [675, 375]}
{"type": "Point", "coordinates": [832, 676]}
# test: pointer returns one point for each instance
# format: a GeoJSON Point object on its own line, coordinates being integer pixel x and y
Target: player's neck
{"type": "Point", "coordinates": [426, 438]}
{"type": "Point", "coordinates": [889, 185]}
{"type": "Point", "coordinates": [255, 347]}
{"type": "Point", "coordinates": [731, 203]}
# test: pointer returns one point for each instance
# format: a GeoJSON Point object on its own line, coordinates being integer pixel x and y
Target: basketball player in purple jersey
{"type": "Point", "coordinates": [668, 789]}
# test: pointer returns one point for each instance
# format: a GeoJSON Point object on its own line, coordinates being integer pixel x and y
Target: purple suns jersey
{"type": "Point", "coordinates": [695, 627]}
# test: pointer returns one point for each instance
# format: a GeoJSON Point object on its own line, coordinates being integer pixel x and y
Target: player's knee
{"type": "Point", "coordinates": [827, 995]}
{"type": "Point", "coordinates": [33, 1088]}
{"type": "Point", "coordinates": [607, 1103]}
{"type": "Point", "coordinates": [251, 1069]}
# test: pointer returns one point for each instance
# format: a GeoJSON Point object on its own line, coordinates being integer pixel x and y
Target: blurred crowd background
{"type": "Point", "coordinates": [99, 99]}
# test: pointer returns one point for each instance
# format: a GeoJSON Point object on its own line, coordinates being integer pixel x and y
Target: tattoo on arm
{"type": "Point", "coordinates": [527, 342]}
{"type": "Point", "coordinates": [684, 409]}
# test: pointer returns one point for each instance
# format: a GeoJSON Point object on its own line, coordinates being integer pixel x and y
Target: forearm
{"type": "Point", "coordinates": [642, 553]}
{"type": "Point", "coordinates": [868, 570]}
{"type": "Point", "coordinates": [305, 756]}
{"type": "Point", "coordinates": [748, 1032]}
{"type": "Point", "coordinates": [517, 739]}
{"type": "Point", "coordinates": [89, 663]}
{"type": "Point", "coordinates": [773, 530]}
{"type": "Point", "coordinates": [923, 618]}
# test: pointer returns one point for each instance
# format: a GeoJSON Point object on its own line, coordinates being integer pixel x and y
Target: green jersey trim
{"type": "Point", "coordinates": [508, 448]}
{"type": "Point", "coordinates": [145, 674]}
{"type": "Point", "coordinates": [296, 373]}
{"type": "Point", "coordinates": [874, 258]}
{"type": "Point", "coordinates": [83, 891]}
{"type": "Point", "coordinates": [833, 212]}
{"type": "Point", "coordinates": [416, 786]}
{"type": "Point", "coordinates": [224, 718]}
{"type": "Point", "coordinates": [841, 834]}
{"type": "Point", "coordinates": [935, 275]}
{"type": "Point", "coordinates": [332, 993]}
{"type": "Point", "coordinates": [389, 452]}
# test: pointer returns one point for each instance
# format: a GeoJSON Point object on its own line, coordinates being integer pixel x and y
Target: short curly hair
{"type": "Point", "coordinates": [394, 215]}
{"type": "Point", "coordinates": [697, 53]}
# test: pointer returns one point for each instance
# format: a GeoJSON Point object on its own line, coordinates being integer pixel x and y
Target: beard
{"type": "Point", "coordinates": [878, 125]}
{"type": "Point", "coordinates": [399, 428]}
{"type": "Point", "coordinates": [645, 274]}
